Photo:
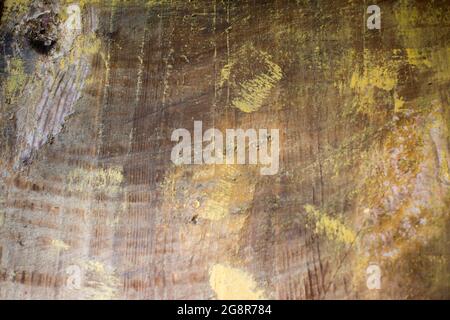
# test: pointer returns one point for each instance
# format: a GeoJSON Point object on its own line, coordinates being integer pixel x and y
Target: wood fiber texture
{"type": "Point", "coordinates": [91, 206]}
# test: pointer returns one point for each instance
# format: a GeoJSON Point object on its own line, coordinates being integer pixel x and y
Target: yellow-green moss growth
{"type": "Point", "coordinates": [332, 228]}
{"type": "Point", "coordinates": [101, 180]}
{"type": "Point", "coordinates": [19, 6]}
{"type": "Point", "coordinates": [251, 74]}
{"type": "Point", "coordinates": [233, 284]}
{"type": "Point", "coordinates": [16, 78]}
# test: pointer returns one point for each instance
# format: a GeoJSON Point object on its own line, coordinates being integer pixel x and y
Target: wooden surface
{"type": "Point", "coordinates": [91, 207]}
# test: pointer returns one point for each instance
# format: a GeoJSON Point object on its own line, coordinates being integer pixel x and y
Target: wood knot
{"type": "Point", "coordinates": [42, 31]}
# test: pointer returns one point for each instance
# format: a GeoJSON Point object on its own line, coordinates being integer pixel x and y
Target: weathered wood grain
{"type": "Point", "coordinates": [87, 183]}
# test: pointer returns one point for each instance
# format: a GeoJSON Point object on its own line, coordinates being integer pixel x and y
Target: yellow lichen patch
{"type": "Point", "coordinates": [83, 46]}
{"type": "Point", "coordinates": [88, 44]}
{"type": "Point", "coordinates": [19, 6]}
{"type": "Point", "coordinates": [377, 76]}
{"type": "Point", "coordinates": [95, 266]}
{"type": "Point", "coordinates": [255, 91]}
{"type": "Point", "coordinates": [225, 193]}
{"type": "Point", "coordinates": [417, 57]}
{"type": "Point", "coordinates": [416, 19]}
{"type": "Point", "coordinates": [59, 245]}
{"type": "Point", "coordinates": [332, 228]}
{"type": "Point", "coordinates": [440, 136]}
{"type": "Point", "coordinates": [101, 180]}
{"type": "Point", "coordinates": [157, 2]}
{"type": "Point", "coordinates": [101, 282]}
{"type": "Point", "coordinates": [251, 75]}
{"type": "Point", "coordinates": [233, 284]}
{"type": "Point", "coordinates": [373, 82]}
{"type": "Point", "coordinates": [398, 103]}
{"type": "Point", "coordinates": [225, 74]}
{"type": "Point", "coordinates": [83, 3]}
{"type": "Point", "coordinates": [16, 78]}
{"type": "Point", "coordinates": [434, 59]}
{"type": "Point", "coordinates": [214, 193]}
